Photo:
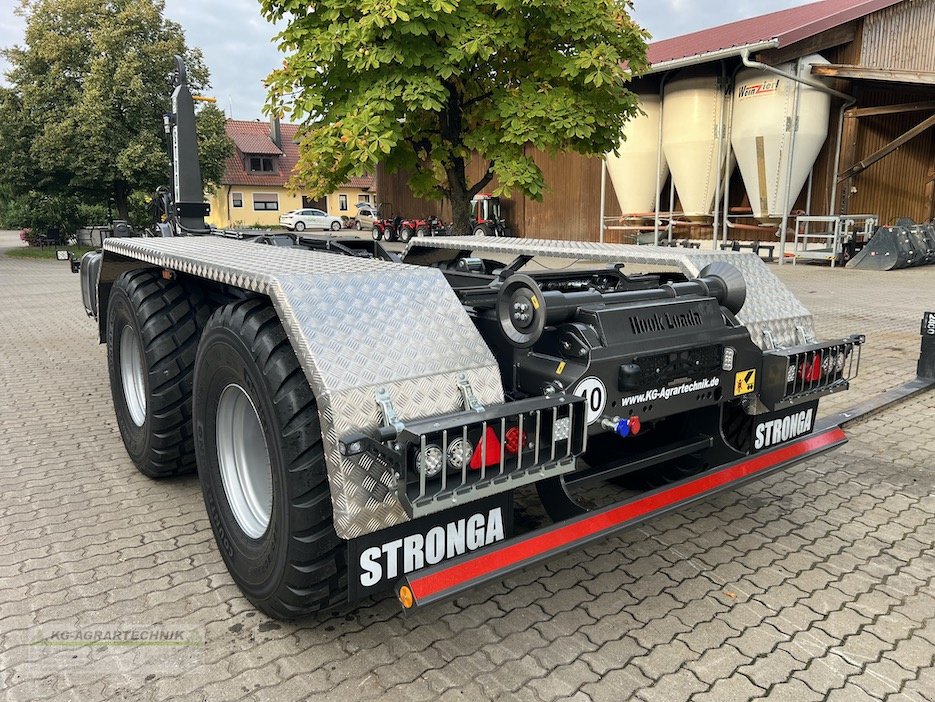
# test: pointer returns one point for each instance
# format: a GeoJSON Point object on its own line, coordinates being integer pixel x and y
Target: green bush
{"type": "Point", "coordinates": [40, 213]}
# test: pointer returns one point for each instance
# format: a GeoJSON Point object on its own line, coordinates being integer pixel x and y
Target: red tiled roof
{"type": "Point", "coordinates": [254, 138]}
{"type": "Point", "coordinates": [363, 182]}
{"type": "Point", "coordinates": [786, 27]}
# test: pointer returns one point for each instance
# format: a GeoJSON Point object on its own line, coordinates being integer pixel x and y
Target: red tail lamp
{"type": "Point", "coordinates": [515, 440]}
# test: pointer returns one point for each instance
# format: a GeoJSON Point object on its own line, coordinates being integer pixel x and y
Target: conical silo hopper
{"type": "Point", "coordinates": [761, 135]}
{"type": "Point", "coordinates": [633, 169]}
{"type": "Point", "coordinates": [693, 109]}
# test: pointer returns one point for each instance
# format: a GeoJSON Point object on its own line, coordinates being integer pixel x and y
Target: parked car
{"type": "Point", "coordinates": [300, 220]}
{"type": "Point", "coordinates": [367, 214]}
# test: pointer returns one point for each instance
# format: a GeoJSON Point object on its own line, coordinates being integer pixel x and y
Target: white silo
{"type": "Point", "coordinates": [694, 139]}
{"type": "Point", "coordinates": [764, 107]}
{"type": "Point", "coordinates": [633, 169]}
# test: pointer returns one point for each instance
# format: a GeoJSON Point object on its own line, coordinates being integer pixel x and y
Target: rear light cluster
{"type": "Point", "coordinates": [467, 456]}
{"type": "Point", "coordinates": [791, 375]}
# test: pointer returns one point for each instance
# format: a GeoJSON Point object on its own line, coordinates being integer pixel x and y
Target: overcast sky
{"type": "Point", "coordinates": [238, 48]}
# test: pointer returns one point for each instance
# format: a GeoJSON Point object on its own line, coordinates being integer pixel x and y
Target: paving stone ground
{"type": "Point", "coordinates": [816, 583]}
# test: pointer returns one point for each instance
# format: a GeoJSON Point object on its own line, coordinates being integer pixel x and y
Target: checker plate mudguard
{"type": "Point", "coordinates": [770, 306]}
{"type": "Point", "coordinates": [357, 325]}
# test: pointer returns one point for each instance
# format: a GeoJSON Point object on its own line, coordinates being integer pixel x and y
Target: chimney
{"type": "Point", "coordinates": [275, 131]}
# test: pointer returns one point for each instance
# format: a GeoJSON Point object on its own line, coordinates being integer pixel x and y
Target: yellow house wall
{"type": "Point", "coordinates": [224, 215]}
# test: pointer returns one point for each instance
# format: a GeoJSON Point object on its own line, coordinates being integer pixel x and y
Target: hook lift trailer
{"type": "Point", "coordinates": [346, 445]}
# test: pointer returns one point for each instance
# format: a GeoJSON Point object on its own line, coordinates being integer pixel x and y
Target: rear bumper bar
{"type": "Point", "coordinates": [454, 576]}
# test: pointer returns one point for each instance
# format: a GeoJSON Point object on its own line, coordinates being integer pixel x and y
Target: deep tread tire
{"type": "Point", "coordinates": [298, 565]}
{"type": "Point", "coordinates": [376, 234]}
{"type": "Point", "coordinates": [167, 320]}
{"type": "Point", "coordinates": [405, 234]}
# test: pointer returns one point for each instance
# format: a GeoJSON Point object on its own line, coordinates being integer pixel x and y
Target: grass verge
{"type": "Point", "coordinates": [47, 253]}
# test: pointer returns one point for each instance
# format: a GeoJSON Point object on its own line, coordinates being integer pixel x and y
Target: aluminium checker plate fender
{"type": "Point", "coordinates": [770, 306]}
{"type": "Point", "coordinates": [356, 325]}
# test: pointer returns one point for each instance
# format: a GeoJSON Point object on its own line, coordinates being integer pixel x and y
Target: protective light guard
{"type": "Point", "coordinates": [823, 373]}
{"type": "Point", "coordinates": [554, 432]}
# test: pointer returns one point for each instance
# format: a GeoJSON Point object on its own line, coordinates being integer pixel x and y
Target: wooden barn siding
{"type": "Point", "coordinates": [896, 186]}
{"type": "Point", "coordinates": [901, 37]}
{"type": "Point", "coordinates": [570, 209]}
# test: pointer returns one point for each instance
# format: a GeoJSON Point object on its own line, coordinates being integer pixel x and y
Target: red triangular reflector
{"type": "Point", "coordinates": [487, 448]}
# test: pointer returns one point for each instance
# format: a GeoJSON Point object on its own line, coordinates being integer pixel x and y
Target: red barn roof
{"type": "Point", "coordinates": [782, 28]}
{"type": "Point", "coordinates": [253, 138]}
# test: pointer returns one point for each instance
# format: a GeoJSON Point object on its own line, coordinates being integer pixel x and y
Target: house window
{"type": "Point", "coordinates": [342, 202]}
{"type": "Point", "coordinates": [265, 201]}
{"type": "Point", "coordinates": [363, 197]}
{"type": "Point", "coordinates": [236, 199]}
{"type": "Point", "coordinates": [261, 164]}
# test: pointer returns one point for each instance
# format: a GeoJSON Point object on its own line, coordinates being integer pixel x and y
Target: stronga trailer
{"type": "Point", "coordinates": [362, 421]}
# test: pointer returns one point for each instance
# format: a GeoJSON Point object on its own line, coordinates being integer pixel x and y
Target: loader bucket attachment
{"type": "Point", "coordinates": [924, 236]}
{"type": "Point", "coordinates": [890, 248]}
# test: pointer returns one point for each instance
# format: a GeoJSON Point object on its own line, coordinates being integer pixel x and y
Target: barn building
{"type": "Point", "coordinates": [857, 81]}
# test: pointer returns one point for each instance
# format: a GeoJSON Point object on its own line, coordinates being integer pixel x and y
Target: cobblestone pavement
{"type": "Point", "coordinates": [816, 583]}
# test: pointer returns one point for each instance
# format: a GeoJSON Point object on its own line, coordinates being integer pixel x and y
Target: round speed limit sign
{"type": "Point", "coordinates": [595, 397]}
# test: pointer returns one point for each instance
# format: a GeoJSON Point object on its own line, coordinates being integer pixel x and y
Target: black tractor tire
{"type": "Point", "coordinates": [376, 233]}
{"type": "Point", "coordinates": [297, 565]}
{"type": "Point", "coordinates": [163, 322]}
{"type": "Point", "coordinates": [422, 232]}
{"type": "Point", "coordinates": [300, 226]}
{"type": "Point", "coordinates": [482, 229]}
{"type": "Point", "coordinates": [389, 233]}
{"type": "Point", "coordinates": [405, 234]}
{"type": "Point", "coordinates": [335, 226]}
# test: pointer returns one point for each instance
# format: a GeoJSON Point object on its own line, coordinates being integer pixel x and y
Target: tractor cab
{"type": "Point", "coordinates": [486, 216]}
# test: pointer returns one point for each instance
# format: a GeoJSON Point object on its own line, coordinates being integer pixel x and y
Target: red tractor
{"type": "Point", "coordinates": [387, 229]}
{"type": "Point", "coordinates": [486, 217]}
{"type": "Point", "coordinates": [429, 226]}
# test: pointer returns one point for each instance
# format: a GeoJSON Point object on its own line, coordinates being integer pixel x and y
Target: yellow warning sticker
{"type": "Point", "coordinates": [560, 369]}
{"type": "Point", "coordinates": [535, 302]}
{"type": "Point", "coordinates": [745, 382]}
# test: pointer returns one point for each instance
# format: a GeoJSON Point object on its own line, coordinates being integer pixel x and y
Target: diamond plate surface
{"type": "Point", "coordinates": [770, 306]}
{"type": "Point", "coordinates": [356, 325]}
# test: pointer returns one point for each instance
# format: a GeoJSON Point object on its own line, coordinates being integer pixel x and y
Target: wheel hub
{"type": "Point", "coordinates": [246, 472]}
{"type": "Point", "coordinates": [131, 375]}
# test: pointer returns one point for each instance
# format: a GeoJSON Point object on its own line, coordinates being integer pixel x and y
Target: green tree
{"type": "Point", "coordinates": [88, 89]}
{"type": "Point", "coordinates": [423, 85]}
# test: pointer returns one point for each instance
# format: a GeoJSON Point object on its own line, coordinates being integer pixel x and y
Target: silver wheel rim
{"type": "Point", "coordinates": [479, 232]}
{"type": "Point", "coordinates": [300, 226]}
{"type": "Point", "coordinates": [131, 375]}
{"type": "Point", "coordinates": [246, 473]}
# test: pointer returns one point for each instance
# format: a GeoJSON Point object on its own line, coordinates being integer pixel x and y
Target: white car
{"type": "Point", "coordinates": [300, 220]}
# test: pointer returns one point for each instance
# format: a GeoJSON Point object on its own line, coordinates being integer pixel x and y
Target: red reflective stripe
{"type": "Point", "coordinates": [529, 548]}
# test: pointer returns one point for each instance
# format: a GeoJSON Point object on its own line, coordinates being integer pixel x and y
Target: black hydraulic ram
{"type": "Point", "coordinates": [563, 307]}
{"type": "Point", "coordinates": [524, 310]}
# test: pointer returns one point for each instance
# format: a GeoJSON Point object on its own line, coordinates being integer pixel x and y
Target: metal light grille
{"type": "Point", "coordinates": [809, 372]}
{"type": "Point", "coordinates": [546, 434]}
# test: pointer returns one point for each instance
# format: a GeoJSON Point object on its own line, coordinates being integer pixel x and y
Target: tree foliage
{"type": "Point", "coordinates": [88, 89]}
{"type": "Point", "coordinates": [422, 85]}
